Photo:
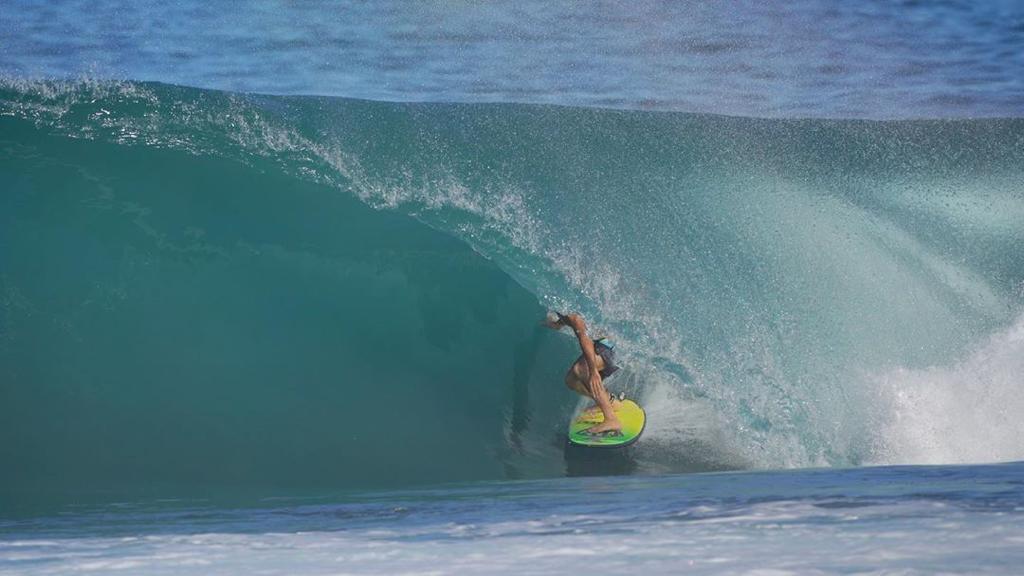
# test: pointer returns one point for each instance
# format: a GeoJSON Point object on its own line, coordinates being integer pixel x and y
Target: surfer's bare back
{"type": "Point", "coordinates": [586, 376]}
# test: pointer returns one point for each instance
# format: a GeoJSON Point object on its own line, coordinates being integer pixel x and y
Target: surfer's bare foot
{"type": "Point", "coordinates": [606, 426]}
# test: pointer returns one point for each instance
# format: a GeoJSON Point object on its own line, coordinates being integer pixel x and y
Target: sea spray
{"type": "Point", "coordinates": [965, 411]}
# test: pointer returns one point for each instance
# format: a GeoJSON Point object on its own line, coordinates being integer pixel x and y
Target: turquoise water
{"type": "Point", "coordinates": [301, 293]}
{"type": "Point", "coordinates": [297, 331]}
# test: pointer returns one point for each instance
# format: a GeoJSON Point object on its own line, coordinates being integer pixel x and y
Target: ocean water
{"type": "Point", "coordinates": [905, 520]}
{"type": "Point", "coordinates": [270, 302]}
{"type": "Point", "coordinates": [819, 58]}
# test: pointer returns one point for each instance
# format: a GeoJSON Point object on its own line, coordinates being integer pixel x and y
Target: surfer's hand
{"type": "Point", "coordinates": [553, 321]}
{"type": "Point", "coordinates": [574, 320]}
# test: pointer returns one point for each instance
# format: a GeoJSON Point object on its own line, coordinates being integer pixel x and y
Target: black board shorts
{"type": "Point", "coordinates": [607, 353]}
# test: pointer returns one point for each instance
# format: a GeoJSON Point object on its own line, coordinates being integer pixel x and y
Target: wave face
{"type": "Point", "coordinates": [210, 289]}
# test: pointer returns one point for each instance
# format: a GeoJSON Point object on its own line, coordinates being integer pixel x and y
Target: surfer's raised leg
{"type": "Point", "coordinates": [585, 375]}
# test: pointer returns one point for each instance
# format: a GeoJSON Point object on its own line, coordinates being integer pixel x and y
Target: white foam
{"type": "Point", "coordinates": [775, 537]}
{"type": "Point", "coordinates": [967, 412]}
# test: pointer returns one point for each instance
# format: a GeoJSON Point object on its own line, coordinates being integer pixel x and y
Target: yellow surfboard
{"type": "Point", "coordinates": [630, 414]}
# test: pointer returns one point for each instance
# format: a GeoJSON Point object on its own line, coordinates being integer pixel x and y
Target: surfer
{"type": "Point", "coordinates": [587, 374]}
